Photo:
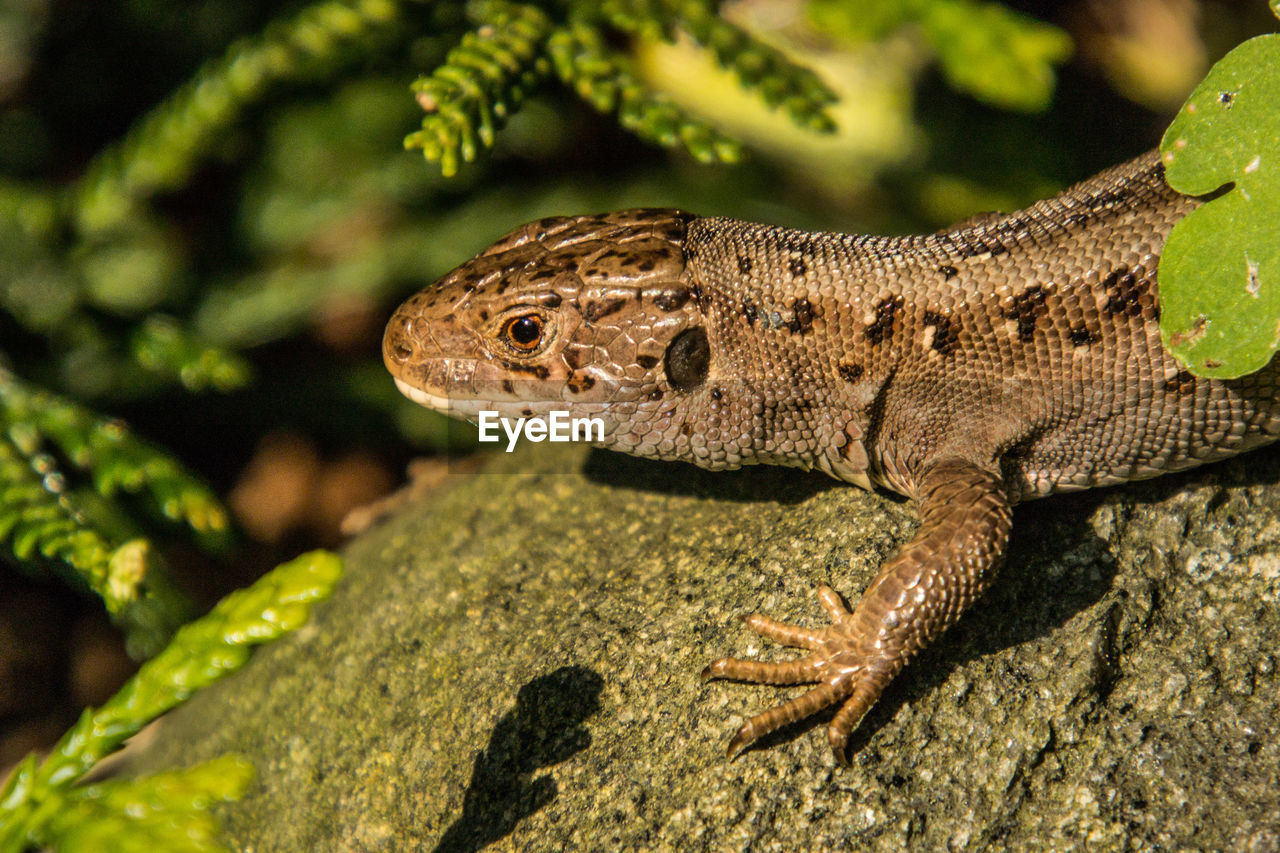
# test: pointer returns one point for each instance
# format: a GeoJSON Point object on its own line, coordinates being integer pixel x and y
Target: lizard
{"type": "Point", "coordinates": [1007, 358]}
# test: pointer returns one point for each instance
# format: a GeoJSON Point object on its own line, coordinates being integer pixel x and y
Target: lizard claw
{"type": "Point", "coordinates": [834, 664]}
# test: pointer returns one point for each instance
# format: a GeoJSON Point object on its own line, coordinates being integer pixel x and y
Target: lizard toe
{"type": "Point", "coordinates": [802, 671]}
{"type": "Point", "coordinates": [804, 705]}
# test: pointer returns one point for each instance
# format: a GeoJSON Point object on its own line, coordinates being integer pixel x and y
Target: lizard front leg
{"type": "Point", "coordinates": [965, 520]}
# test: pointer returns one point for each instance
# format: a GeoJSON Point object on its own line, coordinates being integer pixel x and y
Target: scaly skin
{"type": "Point", "coordinates": [969, 369]}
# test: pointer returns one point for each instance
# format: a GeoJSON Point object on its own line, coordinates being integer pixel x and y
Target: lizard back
{"type": "Point", "coordinates": [1028, 341]}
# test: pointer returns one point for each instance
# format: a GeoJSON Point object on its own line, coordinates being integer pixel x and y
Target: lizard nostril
{"type": "Point", "coordinates": [396, 343]}
{"type": "Point", "coordinates": [401, 351]}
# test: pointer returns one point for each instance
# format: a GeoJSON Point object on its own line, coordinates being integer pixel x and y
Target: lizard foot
{"type": "Point", "coordinates": [839, 665]}
{"type": "Point", "coordinates": [918, 594]}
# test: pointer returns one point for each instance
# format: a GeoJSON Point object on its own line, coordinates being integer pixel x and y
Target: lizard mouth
{"type": "Point", "coordinates": [469, 408]}
{"type": "Point", "coordinates": [425, 398]}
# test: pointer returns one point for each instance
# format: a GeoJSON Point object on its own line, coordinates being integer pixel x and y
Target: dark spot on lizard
{"type": "Point", "coordinates": [968, 244]}
{"type": "Point", "coordinates": [1183, 383]}
{"type": "Point", "coordinates": [1107, 198]}
{"type": "Point", "coordinates": [673, 232]}
{"type": "Point", "coordinates": [1082, 337]}
{"type": "Point", "coordinates": [655, 394]}
{"type": "Point", "coordinates": [686, 429]}
{"type": "Point", "coordinates": [797, 266]}
{"type": "Point", "coordinates": [577, 383]}
{"type": "Point", "coordinates": [672, 300]}
{"type": "Point", "coordinates": [750, 313]}
{"type": "Point", "coordinates": [593, 311]}
{"type": "Point", "coordinates": [688, 358]}
{"type": "Point", "coordinates": [801, 317]}
{"type": "Point", "coordinates": [946, 337]}
{"type": "Point", "coordinates": [1125, 292]}
{"type": "Point", "coordinates": [850, 372]}
{"type": "Point", "coordinates": [716, 394]}
{"type": "Point", "coordinates": [882, 326]}
{"type": "Point", "coordinates": [949, 271]}
{"type": "Point", "coordinates": [542, 275]}
{"type": "Point", "coordinates": [744, 264]}
{"type": "Point", "coordinates": [484, 315]}
{"type": "Point", "coordinates": [508, 386]}
{"type": "Point", "coordinates": [1026, 308]}
{"type": "Point", "coordinates": [646, 361]}
{"type": "Point", "coordinates": [647, 265]}
{"type": "Point", "coordinates": [537, 371]}
{"type": "Point", "coordinates": [552, 300]}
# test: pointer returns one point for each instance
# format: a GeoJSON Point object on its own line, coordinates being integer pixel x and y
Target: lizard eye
{"type": "Point", "coordinates": [523, 332]}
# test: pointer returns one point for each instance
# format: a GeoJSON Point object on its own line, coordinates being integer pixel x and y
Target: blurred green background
{"type": "Point", "coordinates": [213, 264]}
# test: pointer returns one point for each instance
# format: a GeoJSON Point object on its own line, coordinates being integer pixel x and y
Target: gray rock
{"type": "Point", "coordinates": [516, 661]}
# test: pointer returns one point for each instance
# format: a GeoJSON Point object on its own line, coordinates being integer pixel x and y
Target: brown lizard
{"type": "Point", "coordinates": [969, 370]}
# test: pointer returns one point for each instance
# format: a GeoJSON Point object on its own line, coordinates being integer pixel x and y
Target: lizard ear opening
{"type": "Point", "coordinates": [688, 359]}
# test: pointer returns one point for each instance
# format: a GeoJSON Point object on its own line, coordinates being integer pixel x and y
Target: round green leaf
{"type": "Point", "coordinates": [1220, 268]}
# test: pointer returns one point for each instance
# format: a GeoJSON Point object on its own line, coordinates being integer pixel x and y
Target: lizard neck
{"type": "Point", "coordinates": [777, 303]}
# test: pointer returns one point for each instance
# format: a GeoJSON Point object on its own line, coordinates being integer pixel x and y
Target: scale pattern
{"type": "Point", "coordinates": [1001, 360]}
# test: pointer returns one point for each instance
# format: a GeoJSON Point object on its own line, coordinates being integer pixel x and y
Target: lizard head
{"type": "Point", "coordinates": [589, 315]}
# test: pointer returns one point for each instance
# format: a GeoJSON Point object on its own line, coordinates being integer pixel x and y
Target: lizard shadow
{"type": "Point", "coordinates": [749, 484]}
{"type": "Point", "coordinates": [1258, 468]}
{"type": "Point", "coordinates": [544, 728]}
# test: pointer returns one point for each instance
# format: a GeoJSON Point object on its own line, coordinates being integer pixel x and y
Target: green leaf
{"type": "Point", "coordinates": [995, 54]}
{"type": "Point", "coordinates": [116, 458]}
{"type": "Point", "coordinates": [36, 519]}
{"type": "Point", "coordinates": [761, 69]}
{"type": "Point", "coordinates": [482, 81]}
{"type": "Point", "coordinates": [164, 347]}
{"type": "Point", "coordinates": [605, 79]}
{"type": "Point", "coordinates": [36, 796]}
{"type": "Point", "coordinates": [165, 811]}
{"type": "Point", "coordinates": [1220, 268]}
{"type": "Point", "coordinates": [166, 146]}
{"type": "Point", "coordinates": [986, 50]}
{"type": "Point", "coordinates": [867, 20]}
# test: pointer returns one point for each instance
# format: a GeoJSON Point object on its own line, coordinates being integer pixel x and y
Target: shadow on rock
{"type": "Point", "coordinates": [753, 483]}
{"type": "Point", "coordinates": [544, 728]}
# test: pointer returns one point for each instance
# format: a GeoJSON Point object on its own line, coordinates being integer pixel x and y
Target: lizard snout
{"type": "Point", "coordinates": [398, 345]}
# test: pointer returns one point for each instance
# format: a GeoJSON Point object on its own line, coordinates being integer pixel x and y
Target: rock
{"type": "Point", "coordinates": [516, 660]}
